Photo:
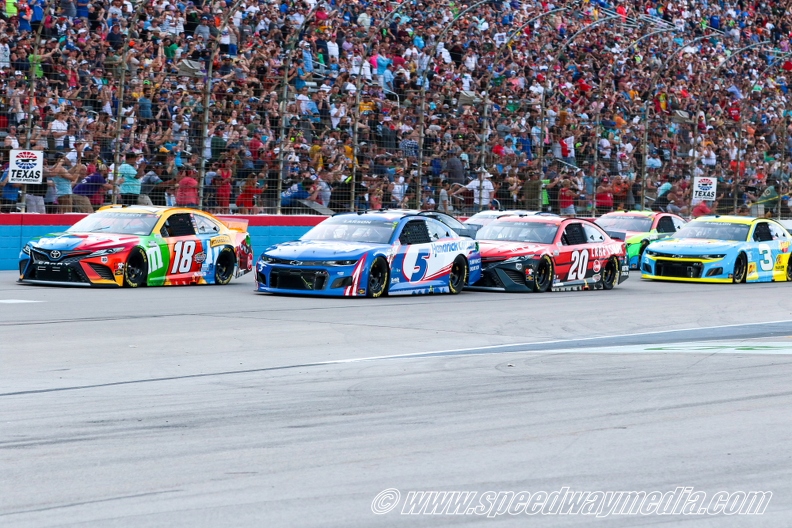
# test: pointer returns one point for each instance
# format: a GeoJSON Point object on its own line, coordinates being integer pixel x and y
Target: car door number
{"type": "Point", "coordinates": [767, 257]}
{"type": "Point", "coordinates": [578, 266]}
{"type": "Point", "coordinates": [183, 251]}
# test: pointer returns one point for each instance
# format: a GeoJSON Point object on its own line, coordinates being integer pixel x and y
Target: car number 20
{"type": "Point", "coordinates": [578, 265]}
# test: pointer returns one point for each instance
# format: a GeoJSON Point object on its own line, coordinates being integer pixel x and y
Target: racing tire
{"type": "Point", "coordinates": [379, 277]}
{"type": "Point", "coordinates": [610, 274]}
{"type": "Point", "coordinates": [458, 277]}
{"type": "Point", "coordinates": [224, 266]}
{"type": "Point", "coordinates": [136, 269]}
{"type": "Point", "coordinates": [740, 269]}
{"type": "Point", "coordinates": [543, 280]}
{"type": "Point", "coordinates": [789, 270]}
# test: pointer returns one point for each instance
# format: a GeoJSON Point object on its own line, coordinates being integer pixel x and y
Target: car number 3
{"type": "Point", "coordinates": [183, 251]}
{"type": "Point", "coordinates": [767, 257]}
{"type": "Point", "coordinates": [578, 266]}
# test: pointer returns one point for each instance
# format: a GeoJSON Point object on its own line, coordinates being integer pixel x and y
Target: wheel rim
{"type": "Point", "coordinates": [739, 269]}
{"type": "Point", "coordinates": [543, 277]}
{"type": "Point", "coordinates": [376, 278]}
{"type": "Point", "coordinates": [609, 273]}
{"type": "Point", "coordinates": [457, 271]}
{"type": "Point", "coordinates": [134, 272]}
{"type": "Point", "coordinates": [223, 269]}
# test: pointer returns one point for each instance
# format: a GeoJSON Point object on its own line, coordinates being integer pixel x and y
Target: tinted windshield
{"type": "Point", "coordinates": [353, 228]}
{"type": "Point", "coordinates": [519, 232]}
{"type": "Point", "coordinates": [625, 223]}
{"type": "Point", "coordinates": [714, 231]}
{"type": "Point", "coordinates": [116, 222]}
{"type": "Point", "coordinates": [482, 219]}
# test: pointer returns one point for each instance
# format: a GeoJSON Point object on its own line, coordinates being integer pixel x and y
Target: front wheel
{"type": "Point", "coordinates": [224, 266]}
{"type": "Point", "coordinates": [789, 270]}
{"type": "Point", "coordinates": [740, 269]}
{"type": "Point", "coordinates": [644, 245]}
{"type": "Point", "coordinates": [543, 280]}
{"type": "Point", "coordinates": [136, 269]}
{"type": "Point", "coordinates": [458, 276]}
{"type": "Point", "coordinates": [378, 278]}
{"type": "Point", "coordinates": [610, 275]}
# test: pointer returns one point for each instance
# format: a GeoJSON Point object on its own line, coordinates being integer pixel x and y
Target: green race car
{"type": "Point", "coordinates": [638, 229]}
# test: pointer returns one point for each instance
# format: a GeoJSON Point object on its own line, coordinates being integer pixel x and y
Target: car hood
{"type": "Point", "coordinates": [693, 246]}
{"type": "Point", "coordinates": [321, 249]}
{"type": "Point", "coordinates": [493, 249]}
{"type": "Point", "coordinates": [87, 241]}
{"type": "Point", "coordinates": [635, 236]}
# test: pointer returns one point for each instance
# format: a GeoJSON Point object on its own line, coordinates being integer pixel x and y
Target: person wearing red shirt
{"type": "Point", "coordinates": [702, 209]}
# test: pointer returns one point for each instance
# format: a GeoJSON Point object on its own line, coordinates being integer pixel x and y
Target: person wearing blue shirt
{"type": "Point", "coordinates": [291, 196]}
{"type": "Point", "coordinates": [382, 64]}
{"type": "Point", "coordinates": [10, 196]}
{"type": "Point", "coordinates": [129, 180]}
{"type": "Point", "coordinates": [387, 78]}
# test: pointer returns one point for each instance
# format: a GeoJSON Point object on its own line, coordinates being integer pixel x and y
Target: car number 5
{"type": "Point", "coordinates": [767, 257]}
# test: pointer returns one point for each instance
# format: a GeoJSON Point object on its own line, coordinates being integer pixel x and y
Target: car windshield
{"type": "Point", "coordinates": [714, 231]}
{"type": "Point", "coordinates": [519, 232]}
{"type": "Point", "coordinates": [639, 224]}
{"type": "Point", "coordinates": [482, 219]}
{"type": "Point", "coordinates": [116, 222]}
{"type": "Point", "coordinates": [353, 228]}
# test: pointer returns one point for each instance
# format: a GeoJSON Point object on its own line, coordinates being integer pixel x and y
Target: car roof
{"type": "Point", "coordinates": [147, 209]}
{"type": "Point", "coordinates": [391, 215]}
{"type": "Point", "coordinates": [647, 214]}
{"type": "Point", "coordinates": [541, 218]}
{"type": "Point", "coordinates": [730, 219]}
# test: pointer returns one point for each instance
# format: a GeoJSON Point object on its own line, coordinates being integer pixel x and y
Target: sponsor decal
{"type": "Point", "coordinates": [751, 267]}
{"type": "Point", "coordinates": [596, 277]}
{"type": "Point", "coordinates": [596, 266]}
{"type": "Point", "coordinates": [104, 260]}
{"type": "Point", "coordinates": [55, 255]}
{"type": "Point", "coordinates": [361, 291]}
{"type": "Point", "coordinates": [784, 246]}
{"type": "Point", "coordinates": [220, 240]}
{"type": "Point", "coordinates": [518, 266]}
{"type": "Point", "coordinates": [200, 258]}
{"type": "Point", "coordinates": [26, 166]}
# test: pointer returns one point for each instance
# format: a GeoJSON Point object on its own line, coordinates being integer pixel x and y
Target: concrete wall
{"type": "Point", "coordinates": [17, 229]}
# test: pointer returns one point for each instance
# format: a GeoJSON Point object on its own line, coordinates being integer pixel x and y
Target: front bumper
{"type": "Point", "coordinates": [341, 281]}
{"type": "Point", "coordinates": [506, 276]}
{"type": "Point", "coordinates": [687, 269]}
{"type": "Point", "coordinates": [73, 269]}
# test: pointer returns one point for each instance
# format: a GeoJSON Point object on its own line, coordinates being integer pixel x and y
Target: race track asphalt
{"type": "Point", "coordinates": [216, 406]}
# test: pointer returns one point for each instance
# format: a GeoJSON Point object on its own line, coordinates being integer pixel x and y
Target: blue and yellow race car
{"type": "Point", "coordinates": [371, 255]}
{"type": "Point", "coordinates": [721, 249]}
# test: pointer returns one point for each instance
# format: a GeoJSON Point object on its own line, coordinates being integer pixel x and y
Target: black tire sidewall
{"type": "Point", "coordinates": [385, 280]}
{"type": "Point", "coordinates": [545, 261]}
{"type": "Point", "coordinates": [225, 251]}
{"type": "Point", "coordinates": [133, 254]}
{"type": "Point", "coordinates": [740, 258]}
{"type": "Point", "coordinates": [614, 276]}
{"type": "Point", "coordinates": [465, 272]}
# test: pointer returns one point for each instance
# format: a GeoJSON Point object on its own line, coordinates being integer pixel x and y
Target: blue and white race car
{"type": "Point", "coordinates": [721, 249]}
{"type": "Point", "coordinates": [371, 254]}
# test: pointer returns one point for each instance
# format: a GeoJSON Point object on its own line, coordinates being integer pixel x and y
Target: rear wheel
{"type": "Point", "coordinates": [610, 275]}
{"type": "Point", "coordinates": [224, 266]}
{"type": "Point", "coordinates": [789, 270]}
{"type": "Point", "coordinates": [458, 276]}
{"type": "Point", "coordinates": [378, 278]}
{"type": "Point", "coordinates": [543, 280]}
{"type": "Point", "coordinates": [740, 269]}
{"type": "Point", "coordinates": [136, 269]}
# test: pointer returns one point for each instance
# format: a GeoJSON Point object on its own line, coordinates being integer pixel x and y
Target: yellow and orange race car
{"type": "Point", "coordinates": [140, 246]}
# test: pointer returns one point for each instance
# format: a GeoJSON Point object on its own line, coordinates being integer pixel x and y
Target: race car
{"type": "Point", "coordinates": [638, 229]}
{"type": "Point", "coordinates": [483, 218]}
{"type": "Point", "coordinates": [721, 249]}
{"type": "Point", "coordinates": [371, 255]}
{"type": "Point", "coordinates": [540, 253]}
{"type": "Point", "coordinates": [458, 227]}
{"type": "Point", "coordinates": [140, 246]}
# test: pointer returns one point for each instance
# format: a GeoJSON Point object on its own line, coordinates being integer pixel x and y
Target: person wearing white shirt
{"type": "Point", "coordinates": [332, 49]}
{"type": "Point", "coordinates": [482, 188]}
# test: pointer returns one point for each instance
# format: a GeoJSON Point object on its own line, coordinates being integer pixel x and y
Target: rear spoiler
{"type": "Point", "coordinates": [235, 224]}
{"type": "Point", "coordinates": [617, 235]}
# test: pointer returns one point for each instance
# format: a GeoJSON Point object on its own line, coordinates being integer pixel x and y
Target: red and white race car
{"type": "Point", "coordinates": [547, 252]}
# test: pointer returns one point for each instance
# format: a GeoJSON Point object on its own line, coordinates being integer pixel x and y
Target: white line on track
{"type": "Point", "coordinates": [17, 301]}
{"type": "Point", "coordinates": [484, 349]}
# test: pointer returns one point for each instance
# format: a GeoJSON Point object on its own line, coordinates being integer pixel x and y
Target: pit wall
{"type": "Point", "coordinates": [17, 229]}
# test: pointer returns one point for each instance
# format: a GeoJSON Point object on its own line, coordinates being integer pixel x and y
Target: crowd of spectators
{"type": "Point", "coordinates": [562, 106]}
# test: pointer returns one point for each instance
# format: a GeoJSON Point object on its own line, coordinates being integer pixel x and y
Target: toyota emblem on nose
{"type": "Point", "coordinates": [54, 255]}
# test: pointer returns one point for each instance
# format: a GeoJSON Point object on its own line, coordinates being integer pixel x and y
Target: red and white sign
{"type": "Point", "coordinates": [26, 166]}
